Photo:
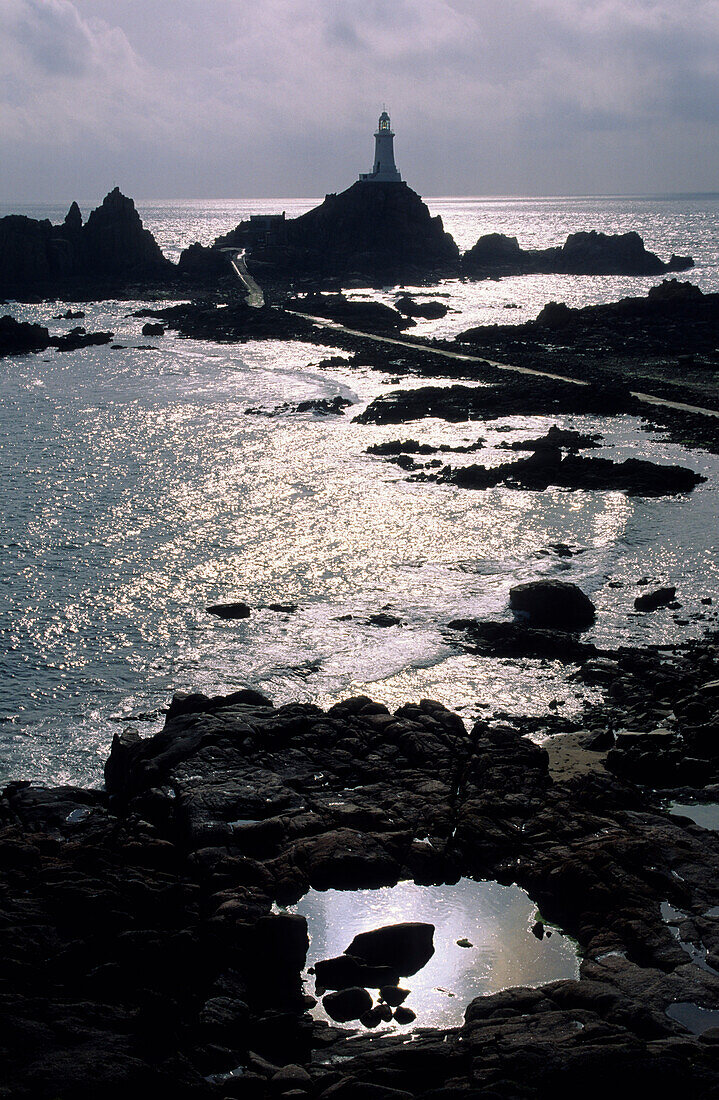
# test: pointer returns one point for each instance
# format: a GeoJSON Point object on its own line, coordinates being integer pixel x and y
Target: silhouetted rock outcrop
{"type": "Point", "coordinates": [114, 241]}
{"type": "Point", "coordinates": [378, 231]}
{"type": "Point", "coordinates": [36, 255]}
{"type": "Point", "coordinates": [581, 254]}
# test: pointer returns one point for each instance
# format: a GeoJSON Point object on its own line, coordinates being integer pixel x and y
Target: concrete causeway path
{"type": "Point", "coordinates": [648, 398]}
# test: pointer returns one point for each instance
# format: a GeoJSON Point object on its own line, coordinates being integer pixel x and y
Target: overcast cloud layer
{"type": "Point", "coordinates": [245, 98]}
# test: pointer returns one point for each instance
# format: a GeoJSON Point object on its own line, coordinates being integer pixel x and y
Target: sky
{"type": "Point", "coordinates": [213, 99]}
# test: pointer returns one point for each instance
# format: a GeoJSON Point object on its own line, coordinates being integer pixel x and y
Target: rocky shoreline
{"type": "Point", "coordinates": [143, 949]}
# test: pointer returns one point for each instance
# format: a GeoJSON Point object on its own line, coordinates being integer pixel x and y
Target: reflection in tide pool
{"type": "Point", "coordinates": [496, 920]}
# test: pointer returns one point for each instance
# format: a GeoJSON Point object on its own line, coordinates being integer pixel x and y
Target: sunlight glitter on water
{"type": "Point", "coordinates": [138, 490]}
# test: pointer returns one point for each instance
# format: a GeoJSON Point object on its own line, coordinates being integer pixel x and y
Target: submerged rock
{"type": "Point", "coordinates": [553, 605]}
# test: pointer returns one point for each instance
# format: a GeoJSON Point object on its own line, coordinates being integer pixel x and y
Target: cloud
{"type": "Point", "coordinates": [224, 97]}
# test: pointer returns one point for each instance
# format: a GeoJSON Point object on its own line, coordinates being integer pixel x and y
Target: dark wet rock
{"type": "Point", "coordinates": [230, 323]}
{"type": "Point", "coordinates": [78, 338]}
{"type": "Point", "coordinates": [153, 328]}
{"type": "Point", "coordinates": [405, 947]}
{"type": "Point", "coordinates": [368, 316]}
{"type": "Point", "coordinates": [141, 953]}
{"type": "Point", "coordinates": [284, 608]}
{"type": "Point", "coordinates": [557, 437]}
{"type": "Point", "coordinates": [207, 263]}
{"type": "Point", "coordinates": [380, 1014]}
{"type": "Point", "coordinates": [398, 447]}
{"type": "Point", "coordinates": [553, 605]}
{"type": "Point", "coordinates": [237, 610]}
{"type": "Point", "coordinates": [582, 253]}
{"type": "Point", "coordinates": [515, 396]}
{"type": "Point", "coordinates": [430, 311]}
{"type": "Point", "coordinates": [322, 406]}
{"type": "Point", "coordinates": [347, 1004]}
{"type": "Point", "coordinates": [70, 314]}
{"type": "Point", "coordinates": [346, 971]}
{"type": "Point", "coordinates": [380, 232]}
{"type": "Point", "coordinates": [393, 995]}
{"type": "Point", "coordinates": [115, 242]}
{"type": "Point", "coordinates": [111, 245]}
{"type": "Point", "coordinates": [650, 601]}
{"type": "Point", "coordinates": [546, 466]}
{"type": "Point", "coordinates": [404, 1015]}
{"type": "Point", "coordinates": [20, 337]}
{"type": "Point", "coordinates": [519, 640]}
{"type": "Point", "coordinates": [382, 619]}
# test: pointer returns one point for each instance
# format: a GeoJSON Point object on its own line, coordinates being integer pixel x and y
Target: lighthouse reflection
{"type": "Point", "coordinates": [495, 920]}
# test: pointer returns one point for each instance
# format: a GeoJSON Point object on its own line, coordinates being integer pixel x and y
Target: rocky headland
{"type": "Point", "coordinates": [587, 253]}
{"type": "Point", "coordinates": [381, 232]}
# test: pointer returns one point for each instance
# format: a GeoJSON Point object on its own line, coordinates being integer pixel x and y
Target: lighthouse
{"type": "Point", "coordinates": [384, 169]}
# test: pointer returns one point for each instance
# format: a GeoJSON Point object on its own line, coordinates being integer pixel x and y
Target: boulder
{"type": "Point", "coordinates": [347, 1004]}
{"type": "Point", "coordinates": [345, 971]}
{"type": "Point", "coordinates": [650, 601]}
{"type": "Point", "coordinates": [405, 947]}
{"type": "Point", "coordinates": [553, 605]}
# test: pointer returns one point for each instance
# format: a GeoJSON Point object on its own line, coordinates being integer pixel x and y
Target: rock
{"type": "Point", "coordinates": [404, 1015]}
{"type": "Point", "coordinates": [347, 1004]}
{"type": "Point", "coordinates": [383, 619]}
{"type": "Point", "coordinates": [582, 253]}
{"type": "Point", "coordinates": [430, 311]}
{"type": "Point", "coordinates": [406, 947]}
{"type": "Point", "coordinates": [380, 1014]}
{"type": "Point", "coordinates": [291, 1077]}
{"type": "Point", "coordinates": [550, 604]}
{"type": "Point", "coordinates": [112, 244]}
{"type": "Point", "coordinates": [21, 337]}
{"type": "Point", "coordinates": [368, 316]}
{"type": "Point", "coordinates": [650, 601]}
{"type": "Point", "coordinates": [464, 942]}
{"type": "Point", "coordinates": [281, 942]}
{"type": "Point", "coordinates": [205, 263]}
{"type": "Point", "coordinates": [393, 995]}
{"type": "Point", "coordinates": [346, 971]}
{"type": "Point", "coordinates": [237, 610]}
{"type": "Point", "coordinates": [151, 328]}
{"type": "Point", "coordinates": [114, 241]}
{"type": "Point", "coordinates": [520, 640]}
{"type": "Point", "coordinates": [381, 231]}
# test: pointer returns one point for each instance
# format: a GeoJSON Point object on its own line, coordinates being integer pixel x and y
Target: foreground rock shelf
{"type": "Point", "coordinates": [143, 949]}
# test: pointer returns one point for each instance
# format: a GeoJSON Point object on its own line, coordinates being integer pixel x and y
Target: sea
{"type": "Point", "coordinates": [137, 489]}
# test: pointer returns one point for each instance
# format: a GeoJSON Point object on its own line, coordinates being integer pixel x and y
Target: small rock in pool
{"type": "Point", "coordinates": [347, 1004]}
{"type": "Point", "coordinates": [286, 608]}
{"type": "Point", "coordinates": [464, 942]}
{"type": "Point", "coordinates": [404, 1015]}
{"type": "Point", "coordinates": [380, 1014]}
{"type": "Point", "coordinates": [393, 995]}
{"type": "Point", "coordinates": [406, 946]}
{"type": "Point", "coordinates": [236, 610]}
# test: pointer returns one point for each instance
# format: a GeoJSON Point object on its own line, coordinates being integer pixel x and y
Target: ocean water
{"type": "Point", "coordinates": [137, 490]}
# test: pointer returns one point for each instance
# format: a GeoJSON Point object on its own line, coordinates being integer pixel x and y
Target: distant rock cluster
{"type": "Point", "coordinates": [112, 243]}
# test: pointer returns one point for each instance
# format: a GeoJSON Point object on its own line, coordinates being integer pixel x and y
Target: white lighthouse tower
{"type": "Point", "coordinates": [384, 169]}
